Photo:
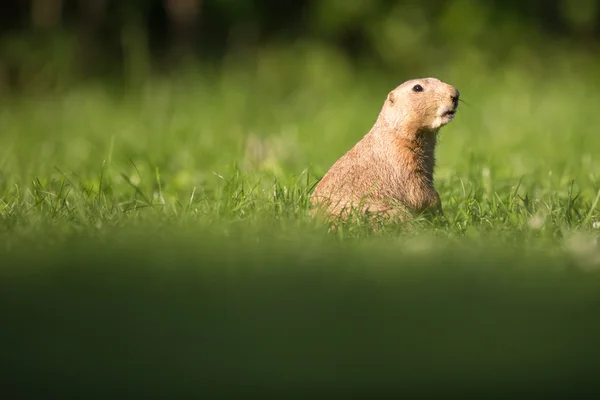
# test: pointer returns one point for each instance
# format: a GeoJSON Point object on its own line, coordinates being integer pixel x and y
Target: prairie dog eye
{"type": "Point", "coordinates": [417, 88]}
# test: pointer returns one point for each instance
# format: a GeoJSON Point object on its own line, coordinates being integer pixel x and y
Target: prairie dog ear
{"type": "Point", "coordinates": [392, 98]}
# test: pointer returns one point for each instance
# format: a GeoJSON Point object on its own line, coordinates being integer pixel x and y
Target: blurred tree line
{"type": "Point", "coordinates": [46, 42]}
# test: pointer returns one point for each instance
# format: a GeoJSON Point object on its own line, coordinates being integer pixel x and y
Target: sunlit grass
{"type": "Point", "coordinates": [246, 146]}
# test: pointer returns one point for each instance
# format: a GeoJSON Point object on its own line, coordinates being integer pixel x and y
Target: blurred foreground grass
{"type": "Point", "coordinates": [199, 314]}
{"type": "Point", "coordinates": [170, 249]}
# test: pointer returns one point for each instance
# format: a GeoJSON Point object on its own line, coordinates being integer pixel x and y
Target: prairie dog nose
{"type": "Point", "coordinates": [455, 97]}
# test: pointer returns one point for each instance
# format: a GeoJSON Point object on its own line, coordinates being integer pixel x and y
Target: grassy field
{"type": "Point", "coordinates": [168, 247]}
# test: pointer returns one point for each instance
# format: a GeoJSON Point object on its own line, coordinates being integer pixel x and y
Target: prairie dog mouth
{"type": "Point", "coordinates": [448, 112]}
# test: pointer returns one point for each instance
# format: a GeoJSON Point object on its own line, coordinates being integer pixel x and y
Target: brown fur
{"type": "Point", "coordinates": [390, 170]}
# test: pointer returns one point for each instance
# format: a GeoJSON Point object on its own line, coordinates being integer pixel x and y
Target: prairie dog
{"type": "Point", "coordinates": [390, 170]}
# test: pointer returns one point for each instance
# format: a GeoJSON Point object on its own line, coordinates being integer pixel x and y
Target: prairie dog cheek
{"type": "Point", "coordinates": [436, 118]}
{"type": "Point", "coordinates": [393, 117]}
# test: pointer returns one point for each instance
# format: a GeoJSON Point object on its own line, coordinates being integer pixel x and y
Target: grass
{"type": "Point", "coordinates": [246, 146]}
{"type": "Point", "coordinates": [168, 227]}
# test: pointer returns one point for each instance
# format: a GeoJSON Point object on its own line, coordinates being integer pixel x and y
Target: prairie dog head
{"type": "Point", "coordinates": [420, 105]}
